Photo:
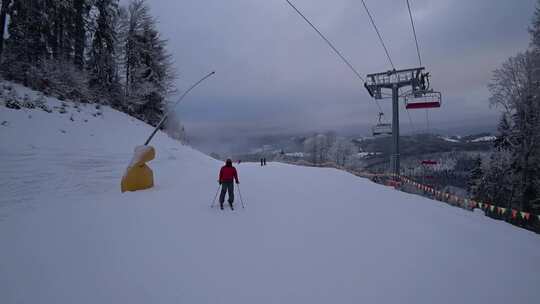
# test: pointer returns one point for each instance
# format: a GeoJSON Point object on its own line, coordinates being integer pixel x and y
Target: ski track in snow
{"type": "Point", "coordinates": [28, 174]}
{"type": "Point", "coordinates": [307, 235]}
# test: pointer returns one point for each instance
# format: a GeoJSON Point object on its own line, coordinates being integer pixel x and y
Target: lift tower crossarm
{"type": "Point", "coordinates": [400, 77]}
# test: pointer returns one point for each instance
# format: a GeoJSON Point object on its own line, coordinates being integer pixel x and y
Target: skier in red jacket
{"type": "Point", "coordinates": [227, 175]}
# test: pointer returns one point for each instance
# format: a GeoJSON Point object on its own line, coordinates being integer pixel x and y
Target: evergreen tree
{"type": "Point", "coordinates": [80, 10]}
{"type": "Point", "coordinates": [137, 14]}
{"type": "Point", "coordinates": [66, 47]}
{"type": "Point", "coordinates": [60, 29]}
{"type": "Point", "coordinates": [476, 176]}
{"type": "Point", "coordinates": [498, 185]}
{"type": "Point", "coordinates": [102, 65]}
{"type": "Point", "coordinates": [526, 149]}
{"type": "Point", "coordinates": [534, 30]}
{"type": "Point", "coordinates": [26, 43]}
{"type": "Point", "coordinates": [148, 66]}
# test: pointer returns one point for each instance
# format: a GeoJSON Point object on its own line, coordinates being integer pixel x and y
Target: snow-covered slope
{"type": "Point", "coordinates": [308, 235]}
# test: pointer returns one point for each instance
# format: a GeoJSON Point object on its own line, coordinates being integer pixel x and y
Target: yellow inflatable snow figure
{"type": "Point", "coordinates": [138, 175]}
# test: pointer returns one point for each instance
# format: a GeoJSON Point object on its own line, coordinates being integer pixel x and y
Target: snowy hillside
{"type": "Point", "coordinates": [307, 235]}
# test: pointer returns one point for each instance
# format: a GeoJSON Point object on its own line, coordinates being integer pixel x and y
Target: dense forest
{"type": "Point", "coordinates": [93, 51]}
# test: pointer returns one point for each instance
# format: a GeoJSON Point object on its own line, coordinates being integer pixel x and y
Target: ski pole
{"type": "Point", "coordinates": [215, 196]}
{"type": "Point", "coordinates": [240, 194]}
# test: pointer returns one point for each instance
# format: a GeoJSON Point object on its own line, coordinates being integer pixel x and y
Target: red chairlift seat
{"type": "Point", "coordinates": [423, 105]}
{"type": "Point", "coordinates": [429, 162]}
{"type": "Point", "coordinates": [423, 100]}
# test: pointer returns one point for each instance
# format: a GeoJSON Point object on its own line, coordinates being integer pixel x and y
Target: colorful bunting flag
{"type": "Point", "coordinates": [525, 215]}
{"type": "Point", "coordinates": [465, 202]}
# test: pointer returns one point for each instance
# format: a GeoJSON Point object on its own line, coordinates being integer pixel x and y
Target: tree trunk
{"type": "Point", "coordinates": [80, 33]}
{"type": "Point", "coordinates": [3, 14]}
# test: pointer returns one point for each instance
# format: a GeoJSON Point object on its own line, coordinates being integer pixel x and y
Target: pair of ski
{"type": "Point", "coordinates": [239, 194]}
{"type": "Point", "coordinates": [223, 207]}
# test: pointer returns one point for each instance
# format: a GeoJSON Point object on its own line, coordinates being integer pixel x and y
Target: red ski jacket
{"type": "Point", "coordinates": [227, 174]}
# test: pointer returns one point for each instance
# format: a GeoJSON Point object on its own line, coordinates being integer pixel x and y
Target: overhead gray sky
{"type": "Point", "coordinates": [275, 74]}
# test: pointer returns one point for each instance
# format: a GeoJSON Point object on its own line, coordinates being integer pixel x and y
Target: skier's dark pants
{"type": "Point", "coordinates": [227, 187]}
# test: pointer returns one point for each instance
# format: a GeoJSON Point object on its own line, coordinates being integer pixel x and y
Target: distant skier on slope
{"type": "Point", "coordinates": [227, 175]}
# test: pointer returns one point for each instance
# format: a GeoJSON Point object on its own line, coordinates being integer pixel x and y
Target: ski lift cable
{"type": "Point", "coordinates": [380, 39]}
{"type": "Point", "coordinates": [387, 53]}
{"type": "Point", "coordinates": [328, 42]}
{"type": "Point", "coordinates": [332, 47]}
{"type": "Point", "coordinates": [378, 34]}
{"type": "Point", "coordinates": [414, 32]}
{"type": "Point", "coordinates": [417, 51]}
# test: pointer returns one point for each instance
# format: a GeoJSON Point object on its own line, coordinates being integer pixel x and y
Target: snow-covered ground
{"type": "Point", "coordinates": [448, 139]}
{"type": "Point", "coordinates": [484, 138]}
{"type": "Point", "coordinates": [296, 154]}
{"type": "Point", "coordinates": [307, 235]}
{"type": "Point", "coordinates": [366, 154]}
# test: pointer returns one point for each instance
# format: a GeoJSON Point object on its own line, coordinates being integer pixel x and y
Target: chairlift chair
{"type": "Point", "coordinates": [381, 128]}
{"type": "Point", "coordinates": [423, 100]}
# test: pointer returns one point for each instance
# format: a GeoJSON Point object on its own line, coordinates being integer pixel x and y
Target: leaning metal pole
{"type": "Point", "coordinates": [172, 108]}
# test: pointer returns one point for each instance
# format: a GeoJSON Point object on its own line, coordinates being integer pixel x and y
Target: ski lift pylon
{"type": "Point", "coordinates": [423, 100]}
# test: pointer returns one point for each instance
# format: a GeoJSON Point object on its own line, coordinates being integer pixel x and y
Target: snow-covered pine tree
{"type": "Point", "coordinates": [60, 30]}
{"type": "Point", "coordinates": [534, 30]}
{"type": "Point", "coordinates": [148, 66]}
{"type": "Point", "coordinates": [81, 9]}
{"type": "Point", "coordinates": [498, 186]}
{"type": "Point", "coordinates": [102, 66]}
{"type": "Point", "coordinates": [26, 44]}
{"type": "Point", "coordinates": [136, 14]}
{"type": "Point", "coordinates": [475, 182]}
{"type": "Point", "coordinates": [526, 149]}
